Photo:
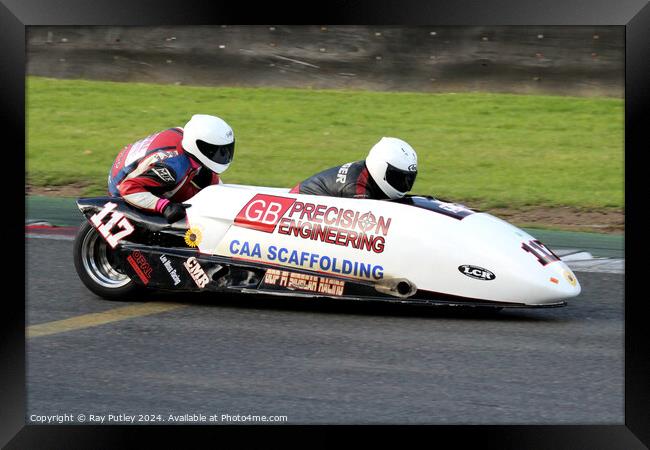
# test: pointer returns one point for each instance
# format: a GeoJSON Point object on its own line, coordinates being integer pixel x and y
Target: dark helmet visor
{"type": "Point", "coordinates": [221, 154]}
{"type": "Point", "coordinates": [401, 180]}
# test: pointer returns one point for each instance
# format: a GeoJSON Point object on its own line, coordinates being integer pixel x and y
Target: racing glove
{"type": "Point", "coordinates": [174, 212]}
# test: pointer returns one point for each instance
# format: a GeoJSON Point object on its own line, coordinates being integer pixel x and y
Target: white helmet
{"type": "Point", "coordinates": [393, 164]}
{"type": "Point", "coordinates": [210, 140]}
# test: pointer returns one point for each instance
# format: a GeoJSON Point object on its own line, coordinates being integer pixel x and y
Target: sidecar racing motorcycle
{"type": "Point", "coordinates": [257, 240]}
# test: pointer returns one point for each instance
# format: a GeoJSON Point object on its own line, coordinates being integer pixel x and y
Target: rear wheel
{"type": "Point", "coordinates": [94, 261]}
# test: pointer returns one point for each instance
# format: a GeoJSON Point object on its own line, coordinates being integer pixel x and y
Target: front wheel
{"type": "Point", "coordinates": [94, 260]}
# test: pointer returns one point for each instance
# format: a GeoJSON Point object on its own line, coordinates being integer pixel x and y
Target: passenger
{"type": "Point", "coordinates": [388, 172]}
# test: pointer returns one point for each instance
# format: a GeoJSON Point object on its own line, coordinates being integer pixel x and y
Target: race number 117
{"type": "Point", "coordinates": [117, 219]}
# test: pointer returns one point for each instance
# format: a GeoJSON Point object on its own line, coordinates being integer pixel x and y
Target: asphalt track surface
{"type": "Point", "coordinates": [317, 362]}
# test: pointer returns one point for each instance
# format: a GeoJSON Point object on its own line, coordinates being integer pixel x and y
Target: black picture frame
{"type": "Point", "coordinates": [634, 15]}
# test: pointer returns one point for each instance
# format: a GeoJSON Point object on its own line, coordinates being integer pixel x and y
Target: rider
{"type": "Point", "coordinates": [388, 172]}
{"type": "Point", "coordinates": [159, 172]}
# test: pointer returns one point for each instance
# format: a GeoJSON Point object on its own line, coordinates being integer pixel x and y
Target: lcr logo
{"type": "Point", "coordinates": [478, 273]}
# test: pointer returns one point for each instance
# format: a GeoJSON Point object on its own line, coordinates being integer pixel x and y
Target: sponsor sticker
{"type": "Point", "coordinates": [304, 282]}
{"type": "Point", "coordinates": [543, 254]}
{"type": "Point", "coordinates": [478, 273]}
{"type": "Point", "coordinates": [361, 230]}
{"type": "Point", "coordinates": [164, 174]}
{"type": "Point", "coordinates": [263, 212]}
{"type": "Point", "coordinates": [305, 260]}
{"type": "Point", "coordinates": [161, 156]}
{"type": "Point", "coordinates": [117, 220]}
{"type": "Point", "coordinates": [170, 269]}
{"type": "Point", "coordinates": [454, 208]}
{"type": "Point", "coordinates": [570, 278]}
{"type": "Point", "coordinates": [140, 265]}
{"type": "Point", "coordinates": [196, 272]}
{"type": "Point", "coordinates": [193, 237]}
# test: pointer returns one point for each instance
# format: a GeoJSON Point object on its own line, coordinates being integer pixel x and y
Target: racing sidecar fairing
{"type": "Point", "coordinates": [266, 240]}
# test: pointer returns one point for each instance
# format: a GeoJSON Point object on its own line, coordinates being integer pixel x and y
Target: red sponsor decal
{"type": "Point", "coordinates": [346, 227]}
{"type": "Point", "coordinates": [332, 225]}
{"type": "Point", "coordinates": [140, 265]}
{"type": "Point", "coordinates": [263, 212]}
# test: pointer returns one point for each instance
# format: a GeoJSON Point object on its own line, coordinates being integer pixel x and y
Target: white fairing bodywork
{"type": "Point", "coordinates": [425, 247]}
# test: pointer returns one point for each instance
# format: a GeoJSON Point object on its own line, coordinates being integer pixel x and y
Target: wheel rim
{"type": "Point", "coordinates": [96, 258]}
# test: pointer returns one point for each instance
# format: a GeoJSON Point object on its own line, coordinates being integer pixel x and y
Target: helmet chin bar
{"type": "Point", "coordinates": [206, 162]}
{"type": "Point", "coordinates": [389, 190]}
{"type": "Point", "coordinates": [209, 164]}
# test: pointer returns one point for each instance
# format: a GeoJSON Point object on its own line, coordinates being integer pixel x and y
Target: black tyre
{"type": "Point", "coordinates": [93, 259]}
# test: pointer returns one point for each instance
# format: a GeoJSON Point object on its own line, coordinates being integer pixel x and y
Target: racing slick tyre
{"type": "Point", "coordinates": [95, 264]}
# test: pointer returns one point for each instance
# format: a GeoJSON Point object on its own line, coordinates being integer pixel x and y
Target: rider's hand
{"type": "Point", "coordinates": [174, 212]}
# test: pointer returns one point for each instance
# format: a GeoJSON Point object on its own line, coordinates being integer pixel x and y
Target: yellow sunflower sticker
{"type": "Point", "coordinates": [570, 278]}
{"type": "Point", "coordinates": [193, 237]}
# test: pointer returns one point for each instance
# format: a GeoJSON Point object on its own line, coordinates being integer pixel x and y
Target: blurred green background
{"type": "Point", "coordinates": [486, 150]}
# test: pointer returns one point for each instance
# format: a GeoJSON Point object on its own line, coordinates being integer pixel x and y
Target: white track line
{"type": "Point", "coordinates": [54, 237]}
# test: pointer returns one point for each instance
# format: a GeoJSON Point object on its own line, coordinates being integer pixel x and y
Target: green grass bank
{"type": "Point", "coordinates": [487, 150]}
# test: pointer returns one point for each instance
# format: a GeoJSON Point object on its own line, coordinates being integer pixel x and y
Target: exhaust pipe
{"type": "Point", "coordinates": [397, 287]}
